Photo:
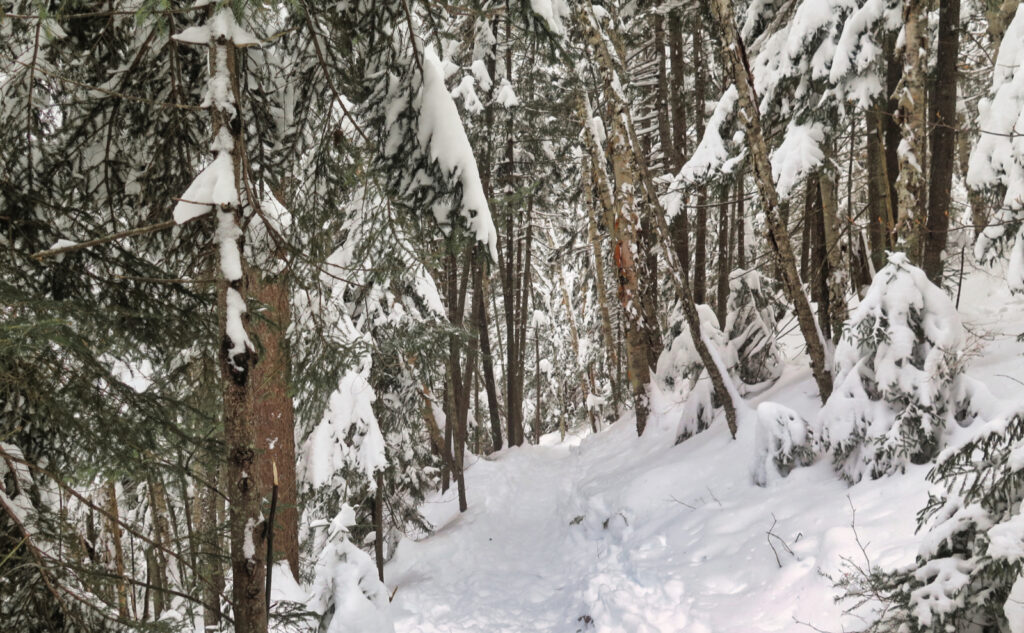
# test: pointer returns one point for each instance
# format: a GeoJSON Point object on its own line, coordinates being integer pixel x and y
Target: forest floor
{"type": "Point", "coordinates": [608, 532]}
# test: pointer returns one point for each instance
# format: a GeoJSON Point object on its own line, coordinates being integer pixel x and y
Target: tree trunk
{"type": "Point", "coordinates": [680, 226]}
{"type": "Point", "coordinates": [892, 134]}
{"type": "Point", "coordinates": [114, 528]}
{"type": "Point", "coordinates": [741, 225]}
{"type": "Point", "coordinates": [247, 537]}
{"type": "Point", "coordinates": [722, 291]}
{"type": "Point", "coordinates": [598, 176]}
{"type": "Point", "coordinates": [879, 202]}
{"type": "Point", "coordinates": [211, 574]}
{"type": "Point", "coordinates": [625, 226]}
{"type": "Point", "coordinates": [910, 186]}
{"type": "Point", "coordinates": [378, 524]}
{"type": "Point", "coordinates": [480, 301]}
{"type": "Point", "coordinates": [700, 258]}
{"type": "Point", "coordinates": [834, 281]}
{"type": "Point", "coordinates": [943, 139]}
{"type": "Point", "coordinates": [275, 414]}
{"type": "Point", "coordinates": [734, 51]}
{"type": "Point", "coordinates": [726, 395]}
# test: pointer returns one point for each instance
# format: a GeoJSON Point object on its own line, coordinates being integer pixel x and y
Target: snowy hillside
{"type": "Point", "coordinates": [611, 532]}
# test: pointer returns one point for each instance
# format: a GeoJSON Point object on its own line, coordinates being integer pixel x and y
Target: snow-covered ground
{"type": "Point", "coordinates": [611, 533]}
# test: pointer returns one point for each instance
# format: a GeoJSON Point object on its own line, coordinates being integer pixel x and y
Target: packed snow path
{"type": "Point", "coordinates": [619, 534]}
{"type": "Point", "coordinates": [611, 533]}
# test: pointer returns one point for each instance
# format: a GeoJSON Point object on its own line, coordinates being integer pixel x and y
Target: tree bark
{"type": "Point", "coordinates": [248, 549]}
{"type": "Point", "coordinates": [741, 225]}
{"type": "Point", "coordinates": [625, 226]}
{"type": "Point", "coordinates": [700, 262]}
{"type": "Point", "coordinates": [910, 186]}
{"type": "Point", "coordinates": [943, 139]}
{"type": "Point", "coordinates": [722, 291]}
{"type": "Point", "coordinates": [274, 412]}
{"type": "Point", "coordinates": [834, 281]}
{"type": "Point", "coordinates": [486, 360]}
{"type": "Point", "coordinates": [735, 53]}
{"type": "Point", "coordinates": [879, 202]}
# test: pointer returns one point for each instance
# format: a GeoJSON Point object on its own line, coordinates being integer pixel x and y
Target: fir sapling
{"type": "Point", "coordinates": [898, 376]}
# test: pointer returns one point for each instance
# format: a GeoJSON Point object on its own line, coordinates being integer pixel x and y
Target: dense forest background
{"type": "Point", "coordinates": [273, 272]}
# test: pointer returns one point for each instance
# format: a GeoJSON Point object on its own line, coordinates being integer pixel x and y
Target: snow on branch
{"type": "Point", "coordinates": [441, 133]}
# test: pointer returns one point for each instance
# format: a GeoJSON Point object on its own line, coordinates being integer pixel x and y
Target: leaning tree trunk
{"type": "Point", "coordinates": [626, 222]}
{"type": "Point", "coordinates": [735, 52]}
{"type": "Point", "coordinates": [722, 384]}
{"type": "Point", "coordinates": [943, 139]}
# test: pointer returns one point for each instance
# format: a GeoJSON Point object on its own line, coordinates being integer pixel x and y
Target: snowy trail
{"type": "Point", "coordinates": [609, 533]}
{"type": "Point", "coordinates": [619, 534]}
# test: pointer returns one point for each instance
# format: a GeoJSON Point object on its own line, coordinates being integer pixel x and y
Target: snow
{"type": "Point", "coordinates": [1014, 607]}
{"type": "Point", "coordinates": [639, 535]}
{"type": "Point", "coordinates": [483, 78]}
{"type": "Point", "coordinates": [235, 327]}
{"type": "Point", "coordinates": [711, 154]}
{"type": "Point", "coordinates": [328, 448]}
{"type": "Point", "coordinates": [610, 533]}
{"type": "Point", "coordinates": [506, 95]}
{"type": "Point", "coordinates": [222, 25]}
{"type": "Point", "coordinates": [440, 130]}
{"type": "Point", "coordinates": [552, 12]}
{"type": "Point", "coordinates": [346, 591]}
{"type": "Point", "coordinates": [998, 157]}
{"type": "Point", "coordinates": [248, 545]}
{"type": "Point", "coordinates": [797, 155]}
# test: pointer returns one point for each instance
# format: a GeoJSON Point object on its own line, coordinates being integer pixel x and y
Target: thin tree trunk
{"type": "Point", "coordinates": [879, 202]}
{"type": "Point", "coordinates": [891, 133]}
{"type": "Point", "coordinates": [734, 51]}
{"type": "Point", "coordinates": [625, 227]}
{"type": "Point", "coordinates": [680, 226]}
{"type": "Point", "coordinates": [834, 281]}
{"type": "Point", "coordinates": [211, 575]}
{"type": "Point", "coordinates": [910, 185]}
{"type": "Point", "coordinates": [701, 236]}
{"type": "Point", "coordinates": [114, 528]}
{"type": "Point", "coordinates": [599, 177]}
{"type": "Point", "coordinates": [480, 301]}
{"type": "Point", "coordinates": [378, 524]}
{"type": "Point", "coordinates": [537, 387]}
{"type": "Point", "coordinates": [162, 536]}
{"type": "Point", "coordinates": [943, 139]}
{"type": "Point", "coordinates": [741, 225]}
{"type": "Point", "coordinates": [722, 292]}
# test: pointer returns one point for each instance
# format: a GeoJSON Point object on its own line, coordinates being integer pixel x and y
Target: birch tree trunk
{"type": "Point", "coordinates": [726, 395]}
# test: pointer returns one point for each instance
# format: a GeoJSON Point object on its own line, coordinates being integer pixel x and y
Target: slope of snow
{"type": "Point", "coordinates": [611, 533]}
